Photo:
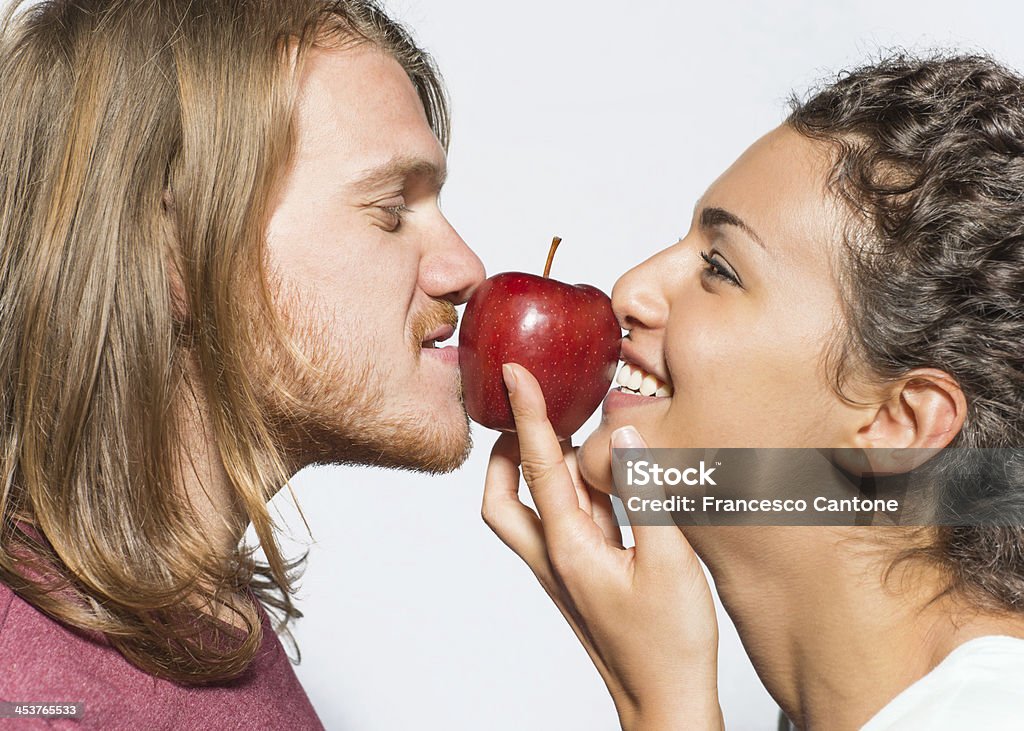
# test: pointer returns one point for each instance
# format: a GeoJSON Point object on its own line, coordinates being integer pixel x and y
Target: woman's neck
{"type": "Point", "coordinates": [830, 638]}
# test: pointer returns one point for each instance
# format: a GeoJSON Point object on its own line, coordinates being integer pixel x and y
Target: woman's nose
{"type": "Point", "coordinates": [638, 298]}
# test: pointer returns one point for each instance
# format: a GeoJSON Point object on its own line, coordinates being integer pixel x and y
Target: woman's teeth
{"type": "Point", "coordinates": [637, 380]}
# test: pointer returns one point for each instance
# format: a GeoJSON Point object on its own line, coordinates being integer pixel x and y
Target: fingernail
{"type": "Point", "coordinates": [509, 376]}
{"type": "Point", "coordinates": [627, 437]}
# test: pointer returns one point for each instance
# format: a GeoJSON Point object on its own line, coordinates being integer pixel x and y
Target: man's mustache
{"type": "Point", "coordinates": [435, 315]}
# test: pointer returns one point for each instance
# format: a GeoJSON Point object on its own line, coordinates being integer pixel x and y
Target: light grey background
{"type": "Point", "coordinates": [601, 122]}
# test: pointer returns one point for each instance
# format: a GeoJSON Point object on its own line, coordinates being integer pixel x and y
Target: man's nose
{"type": "Point", "coordinates": [450, 270]}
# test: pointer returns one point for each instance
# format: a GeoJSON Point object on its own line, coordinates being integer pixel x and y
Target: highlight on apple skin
{"type": "Point", "coordinates": [566, 335]}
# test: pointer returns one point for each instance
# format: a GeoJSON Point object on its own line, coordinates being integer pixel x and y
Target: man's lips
{"type": "Point", "coordinates": [448, 355]}
{"type": "Point", "coordinates": [438, 335]}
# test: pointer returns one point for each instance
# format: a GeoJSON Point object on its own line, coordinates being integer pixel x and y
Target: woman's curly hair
{"type": "Point", "coordinates": [928, 158]}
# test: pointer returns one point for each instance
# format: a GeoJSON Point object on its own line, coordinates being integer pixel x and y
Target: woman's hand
{"type": "Point", "coordinates": [645, 613]}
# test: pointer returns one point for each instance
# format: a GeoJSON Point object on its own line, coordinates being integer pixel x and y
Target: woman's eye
{"type": "Point", "coordinates": [395, 215]}
{"type": "Point", "coordinates": [718, 269]}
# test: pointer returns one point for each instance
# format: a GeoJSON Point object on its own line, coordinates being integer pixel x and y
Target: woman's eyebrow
{"type": "Point", "coordinates": [714, 217]}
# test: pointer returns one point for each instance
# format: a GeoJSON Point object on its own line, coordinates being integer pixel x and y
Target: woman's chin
{"type": "Point", "coordinates": [595, 462]}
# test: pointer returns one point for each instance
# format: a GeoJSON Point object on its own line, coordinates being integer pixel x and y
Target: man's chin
{"type": "Point", "coordinates": [438, 458]}
{"type": "Point", "coordinates": [433, 448]}
{"type": "Point", "coordinates": [437, 450]}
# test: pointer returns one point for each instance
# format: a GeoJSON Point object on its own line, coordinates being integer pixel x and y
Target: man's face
{"type": "Point", "coordinates": [365, 270]}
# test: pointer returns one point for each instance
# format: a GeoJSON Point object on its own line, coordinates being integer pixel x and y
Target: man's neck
{"type": "Point", "coordinates": [830, 641]}
{"type": "Point", "coordinates": [207, 486]}
{"type": "Point", "coordinates": [206, 483]}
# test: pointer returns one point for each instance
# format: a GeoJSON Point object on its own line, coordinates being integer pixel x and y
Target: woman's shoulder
{"type": "Point", "coordinates": [978, 685]}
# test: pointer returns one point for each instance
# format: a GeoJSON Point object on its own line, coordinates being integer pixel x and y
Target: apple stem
{"type": "Point", "coordinates": [551, 255]}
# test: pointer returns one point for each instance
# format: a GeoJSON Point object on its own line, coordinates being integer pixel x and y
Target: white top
{"type": "Point", "coordinates": [979, 685]}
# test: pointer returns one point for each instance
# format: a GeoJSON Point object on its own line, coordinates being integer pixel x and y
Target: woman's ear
{"type": "Point", "coordinates": [920, 415]}
{"type": "Point", "coordinates": [925, 410]}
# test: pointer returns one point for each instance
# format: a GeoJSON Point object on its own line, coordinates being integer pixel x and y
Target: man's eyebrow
{"type": "Point", "coordinates": [712, 217]}
{"type": "Point", "coordinates": [398, 169]}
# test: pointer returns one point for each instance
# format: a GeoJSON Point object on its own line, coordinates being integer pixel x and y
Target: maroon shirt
{"type": "Point", "coordinates": [42, 661]}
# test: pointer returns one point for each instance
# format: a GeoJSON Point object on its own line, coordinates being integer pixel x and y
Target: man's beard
{"type": "Point", "coordinates": [340, 411]}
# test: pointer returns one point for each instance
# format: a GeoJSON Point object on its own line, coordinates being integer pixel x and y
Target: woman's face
{"type": "Point", "coordinates": [736, 316]}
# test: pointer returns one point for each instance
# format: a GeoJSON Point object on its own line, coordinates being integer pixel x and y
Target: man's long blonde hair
{"type": "Point", "coordinates": [141, 139]}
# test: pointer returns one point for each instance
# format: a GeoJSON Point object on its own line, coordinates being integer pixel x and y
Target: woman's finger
{"type": "Point", "coordinates": [604, 515]}
{"type": "Point", "coordinates": [658, 547]}
{"type": "Point", "coordinates": [583, 498]}
{"type": "Point", "coordinates": [594, 503]}
{"type": "Point", "coordinates": [520, 529]}
{"type": "Point", "coordinates": [541, 456]}
{"type": "Point", "coordinates": [515, 524]}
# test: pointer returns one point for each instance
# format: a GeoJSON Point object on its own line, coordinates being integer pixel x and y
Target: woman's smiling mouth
{"type": "Point", "coordinates": [636, 387]}
{"type": "Point", "coordinates": [634, 379]}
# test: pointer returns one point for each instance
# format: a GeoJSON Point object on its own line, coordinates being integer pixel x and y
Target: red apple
{"type": "Point", "coordinates": [565, 335]}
